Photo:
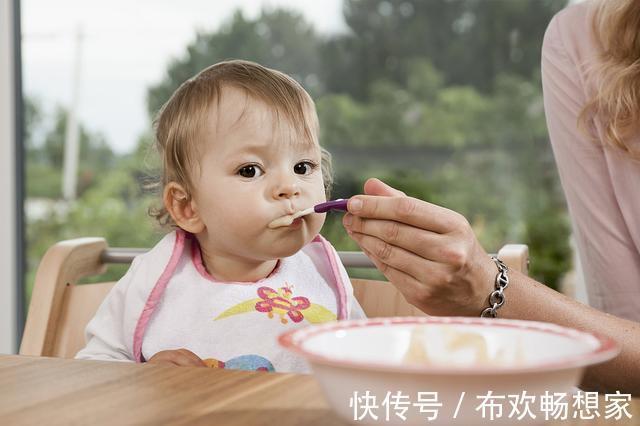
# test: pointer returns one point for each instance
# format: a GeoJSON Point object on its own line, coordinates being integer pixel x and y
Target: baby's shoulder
{"type": "Point", "coordinates": [146, 268]}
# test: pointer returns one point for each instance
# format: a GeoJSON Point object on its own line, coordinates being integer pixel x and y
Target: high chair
{"type": "Point", "coordinates": [60, 308]}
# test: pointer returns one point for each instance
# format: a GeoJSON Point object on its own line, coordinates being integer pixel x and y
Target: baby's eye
{"type": "Point", "coordinates": [250, 171]}
{"type": "Point", "coordinates": [304, 168]}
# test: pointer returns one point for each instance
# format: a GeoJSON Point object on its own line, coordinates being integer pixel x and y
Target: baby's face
{"type": "Point", "coordinates": [252, 171]}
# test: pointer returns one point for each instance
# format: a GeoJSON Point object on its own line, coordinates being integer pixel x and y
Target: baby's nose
{"type": "Point", "coordinates": [287, 191]}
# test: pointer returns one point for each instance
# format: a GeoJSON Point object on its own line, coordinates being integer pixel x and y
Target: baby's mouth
{"type": "Point", "coordinates": [286, 220]}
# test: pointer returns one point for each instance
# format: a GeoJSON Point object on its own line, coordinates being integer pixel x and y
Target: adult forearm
{"type": "Point", "coordinates": [432, 255]}
{"type": "Point", "coordinates": [530, 300]}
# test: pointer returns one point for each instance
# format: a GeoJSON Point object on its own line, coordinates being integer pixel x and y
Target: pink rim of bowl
{"type": "Point", "coordinates": [605, 349]}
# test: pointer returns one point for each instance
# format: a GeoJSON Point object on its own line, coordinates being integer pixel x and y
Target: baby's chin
{"type": "Point", "coordinates": [286, 247]}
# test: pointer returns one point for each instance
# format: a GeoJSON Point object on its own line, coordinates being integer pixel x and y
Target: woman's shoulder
{"type": "Point", "coordinates": [576, 14]}
{"type": "Point", "coordinates": [570, 30]}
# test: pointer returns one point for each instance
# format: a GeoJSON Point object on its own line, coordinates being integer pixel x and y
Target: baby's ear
{"type": "Point", "coordinates": [182, 208]}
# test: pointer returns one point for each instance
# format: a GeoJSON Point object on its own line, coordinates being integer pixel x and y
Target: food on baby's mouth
{"type": "Point", "coordinates": [290, 218]}
{"type": "Point", "coordinates": [282, 221]}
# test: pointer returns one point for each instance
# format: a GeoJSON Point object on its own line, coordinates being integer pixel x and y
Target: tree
{"type": "Point", "coordinates": [422, 112]}
{"type": "Point", "coordinates": [469, 41]}
{"type": "Point", "coordinates": [278, 38]}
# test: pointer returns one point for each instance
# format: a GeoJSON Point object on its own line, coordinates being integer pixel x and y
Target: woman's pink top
{"type": "Point", "coordinates": [601, 184]}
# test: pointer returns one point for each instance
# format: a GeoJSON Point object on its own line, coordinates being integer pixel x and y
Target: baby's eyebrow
{"type": "Point", "coordinates": [258, 149]}
{"type": "Point", "coordinates": [251, 149]}
{"type": "Point", "coordinates": [306, 147]}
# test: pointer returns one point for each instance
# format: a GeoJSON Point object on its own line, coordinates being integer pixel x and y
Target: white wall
{"type": "Point", "coordinates": [7, 182]}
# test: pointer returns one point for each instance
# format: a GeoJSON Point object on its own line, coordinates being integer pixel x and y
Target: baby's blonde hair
{"type": "Point", "coordinates": [616, 28]}
{"type": "Point", "coordinates": [180, 121]}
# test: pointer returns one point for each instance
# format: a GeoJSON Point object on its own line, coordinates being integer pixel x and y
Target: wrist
{"type": "Point", "coordinates": [497, 297]}
{"type": "Point", "coordinates": [484, 284]}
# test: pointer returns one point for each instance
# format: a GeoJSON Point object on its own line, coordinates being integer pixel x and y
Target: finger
{"type": "Point", "coordinates": [395, 257]}
{"type": "Point", "coordinates": [408, 210]}
{"type": "Point", "coordinates": [375, 186]}
{"type": "Point", "coordinates": [425, 244]}
{"type": "Point", "coordinates": [412, 289]}
{"type": "Point", "coordinates": [164, 357]}
{"type": "Point", "coordinates": [158, 359]}
{"type": "Point", "coordinates": [190, 358]}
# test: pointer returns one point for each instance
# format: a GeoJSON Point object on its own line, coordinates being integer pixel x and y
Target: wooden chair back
{"type": "Point", "coordinates": [60, 308]}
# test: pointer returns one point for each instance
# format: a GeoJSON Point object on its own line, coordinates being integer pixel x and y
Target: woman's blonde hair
{"type": "Point", "coordinates": [180, 121]}
{"type": "Point", "coordinates": [616, 28]}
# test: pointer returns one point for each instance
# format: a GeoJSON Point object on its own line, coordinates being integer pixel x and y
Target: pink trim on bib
{"type": "Point", "coordinates": [342, 310]}
{"type": "Point", "coordinates": [156, 294]}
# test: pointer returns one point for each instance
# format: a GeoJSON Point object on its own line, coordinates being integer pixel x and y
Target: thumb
{"type": "Point", "coordinates": [375, 186]}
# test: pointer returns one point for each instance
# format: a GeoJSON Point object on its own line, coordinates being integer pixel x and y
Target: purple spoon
{"type": "Point", "coordinates": [339, 204]}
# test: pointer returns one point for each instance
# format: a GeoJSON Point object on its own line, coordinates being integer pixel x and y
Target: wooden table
{"type": "Point", "coordinates": [53, 391]}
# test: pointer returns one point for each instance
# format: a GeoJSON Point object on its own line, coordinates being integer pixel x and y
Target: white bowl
{"type": "Point", "coordinates": [392, 366]}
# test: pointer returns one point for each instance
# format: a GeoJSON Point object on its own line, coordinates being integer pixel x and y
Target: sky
{"type": "Point", "coordinates": [126, 48]}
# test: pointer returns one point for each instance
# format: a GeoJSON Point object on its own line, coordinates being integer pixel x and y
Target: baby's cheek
{"type": "Point", "coordinates": [242, 223]}
{"type": "Point", "coordinates": [316, 222]}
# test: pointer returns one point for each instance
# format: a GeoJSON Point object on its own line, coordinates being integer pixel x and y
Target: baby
{"type": "Point", "coordinates": [239, 145]}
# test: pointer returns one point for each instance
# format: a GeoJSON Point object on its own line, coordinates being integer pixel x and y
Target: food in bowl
{"type": "Point", "coordinates": [448, 345]}
{"type": "Point", "coordinates": [455, 361]}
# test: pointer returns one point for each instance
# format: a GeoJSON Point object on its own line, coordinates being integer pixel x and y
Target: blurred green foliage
{"type": "Point", "coordinates": [440, 99]}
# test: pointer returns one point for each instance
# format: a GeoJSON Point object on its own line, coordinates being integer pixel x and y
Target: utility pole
{"type": "Point", "coordinates": [71, 138]}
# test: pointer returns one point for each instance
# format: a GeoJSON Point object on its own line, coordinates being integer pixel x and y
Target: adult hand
{"type": "Point", "coordinates": [429, 253]}
{"type": "Point", "coordinates": [180, 357]}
